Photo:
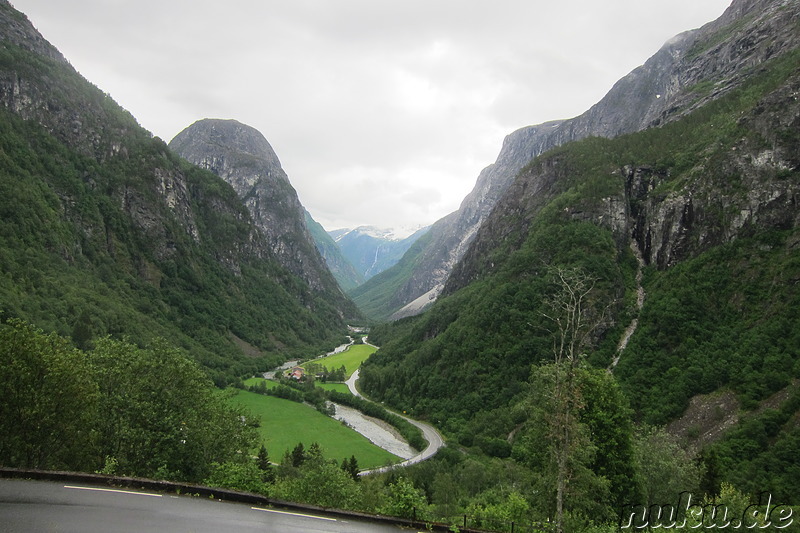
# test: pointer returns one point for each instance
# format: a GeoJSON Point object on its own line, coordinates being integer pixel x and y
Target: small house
{"type": "Point", "coordinates": [298, 373]}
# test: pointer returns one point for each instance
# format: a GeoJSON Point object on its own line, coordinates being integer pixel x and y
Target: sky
{"type": "Point", "coordinates": [382, 113]}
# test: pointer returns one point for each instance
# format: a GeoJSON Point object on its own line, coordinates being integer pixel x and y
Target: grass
{"type": "Point", "coordinates": [350, 358]}
{"type": "Point", "coordinates": [285, 423]}
{"type": "Point", "coordinates": [338, 387]}
{"type": "Point", "coordinates": [250, 382]}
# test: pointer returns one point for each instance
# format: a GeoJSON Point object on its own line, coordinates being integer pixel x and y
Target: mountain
{"type": "Point", "coordinates": [405, 291]}
{"type": "Point", "coordinates": [689, 230]}
{"type": "Point", "coordinates": [372, 250]}
{"type": "Point", "coordinates": [105, 231]}
{"type": "Point", "coordinates": [243, 157]}
{"type": "Point", "coordinates": [687, 72]}
{"type": "Point", "coordinates": [342, 269]}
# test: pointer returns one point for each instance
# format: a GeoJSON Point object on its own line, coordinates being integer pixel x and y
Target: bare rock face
{"type": "Point", "coordinates": [241, 156]}
{"type": "Point", "coordinates": [689, 71]}
{"type": "Point", "coordinates": [452, 235]}
{"type": "Point", "coordinates": [733, 191]}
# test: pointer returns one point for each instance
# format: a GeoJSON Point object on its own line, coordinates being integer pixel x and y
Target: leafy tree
{"type": "Point", "coordinates": [569, 308]}
{"type": "Point", "coordinates": [319, 481]}
{"type": "Point", "coordinates": [445, 494]}
{"type": "Point", "coordinates": [48, 403]}
{"type": "Point", "coordinates": [160, 414]}
{"type": "Point", "coordinates": [663, 468]}
{"type": "Point", "coordinates": [82, 331]}
{"type": "Point", "coordinates": [238, 475]}
{"type": "Point", "coordinates": [513, 508]}
{"type": "Point", "coordinates": [403, 499]}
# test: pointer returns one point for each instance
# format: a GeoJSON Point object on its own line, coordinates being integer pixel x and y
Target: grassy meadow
{"type": "Point", "coordinates": [285, 423]}
{"type": "Point", "coordinates": [350, 358]}
{"type": "Point", "coordinates": [338, 387]}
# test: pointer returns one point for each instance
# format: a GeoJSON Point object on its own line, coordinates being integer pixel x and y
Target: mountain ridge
{"type": "Point", "coordinates": [709, 199]}
{"type": "Point", "coordinates": [371, 249]}
{"type": "Point", "coordinates": [243, 157]}
{"type": "Point", "coordinates": [106, 232]}
{"type": "Point", "coordinates": [666, 87]}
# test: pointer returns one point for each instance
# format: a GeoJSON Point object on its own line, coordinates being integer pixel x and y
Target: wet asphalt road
{"type": "Point", "coordinates": [43, 506]}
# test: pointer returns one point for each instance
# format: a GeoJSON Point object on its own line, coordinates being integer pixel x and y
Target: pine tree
{"type": "Point", "coordinates": [298, 455]}
{"type": "Point", "coordinates": [351, 467]}
{"type": "Point", "coordinates": [262, 460]}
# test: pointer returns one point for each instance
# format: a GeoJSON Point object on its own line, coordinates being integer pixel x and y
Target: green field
{"type": "Point", "coordinates": [250, 382]}
{"type": "Point", "coordinates": [285, 423]}
{"type": "Point", "coordinates": [350, 358]}
{"type": "Point", "coordinates": [338, 387]}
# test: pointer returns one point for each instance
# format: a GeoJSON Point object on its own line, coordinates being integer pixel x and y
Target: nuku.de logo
{"type": "Point", "coordinates": [688, 515]}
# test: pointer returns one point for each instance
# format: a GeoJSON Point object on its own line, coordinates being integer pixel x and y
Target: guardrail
{"type": "Point", "coordinates": [187, 489]}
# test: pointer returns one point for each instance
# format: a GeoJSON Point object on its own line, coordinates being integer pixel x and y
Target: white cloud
{"type": "Point", "coordinates": [382, 113]}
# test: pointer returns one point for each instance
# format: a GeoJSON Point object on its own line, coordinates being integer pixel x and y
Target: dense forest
{"type": "Point", "coordinates": [723, 319]}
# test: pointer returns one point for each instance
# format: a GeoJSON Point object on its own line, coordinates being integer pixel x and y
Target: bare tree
{"type": "Point", "coordinates": [571, 310]}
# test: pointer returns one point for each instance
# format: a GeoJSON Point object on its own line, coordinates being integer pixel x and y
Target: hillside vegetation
{"type": "Point", "coordinates": [721, 303]}
{"type": "Point", "coordinates": [104, 231]}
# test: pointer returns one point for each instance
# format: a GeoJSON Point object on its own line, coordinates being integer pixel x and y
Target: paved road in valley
{"type": "Point", "coordinates": [45, 506]}
{"type": "Point", "coordinates": [431, 434]}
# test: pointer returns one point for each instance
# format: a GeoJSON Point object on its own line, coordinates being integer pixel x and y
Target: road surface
{"type": "Point", "coordinates": [45, 506]}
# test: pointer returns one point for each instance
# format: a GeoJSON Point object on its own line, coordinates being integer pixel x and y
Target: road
{"type": "Point", "coordinates": [45, 506]}
{"type": "Point", "coordinates": [431, 434]}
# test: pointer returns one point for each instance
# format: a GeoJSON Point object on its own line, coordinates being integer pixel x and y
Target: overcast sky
{"type": "Point", "coordinates": [382, 113]}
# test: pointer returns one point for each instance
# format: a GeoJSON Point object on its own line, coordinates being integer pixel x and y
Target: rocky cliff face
{"type": "Point", "coordinates": [241, 156]}
{"type": "Point", "coordinates": [739, 190]}
{"type": "Point", "coordinates": [450, 236]}
{"type": "Point", "coordinates": [708, 199]}
{"type": "Point", "coordinates": [754, 191]}
{"type": "Point", "coordinates": [689, 71]}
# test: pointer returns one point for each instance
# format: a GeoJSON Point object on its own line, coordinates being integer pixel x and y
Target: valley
{"type": "Point", "coordinates": [302, 425]}
{"type": "Point", "coordinates": [609, 320]}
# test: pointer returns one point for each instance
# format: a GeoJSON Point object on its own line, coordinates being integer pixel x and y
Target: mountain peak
{"type": "Point", "coordinates": [385, 234]}
{"type": "Point", "coordinates": [228, 134]}
{"type": "Point", "coordinates": [242, 156]}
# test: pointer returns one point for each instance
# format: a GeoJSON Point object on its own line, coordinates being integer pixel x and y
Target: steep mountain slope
{"type": "Point", "coordinates": [413, 289]}
{"type": "Point", "coordinates": [241, 156]}
{"type": "Point", "coordinates": [103, 230]}
{"type": "Point", "coordinates": [342, 269]}
{"type": "Point", "coordinates": [372, 250]}
{"type": "Point", "coordinates": [708, 199]}
{"type": "Point", "coordinates": [691, 69]}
